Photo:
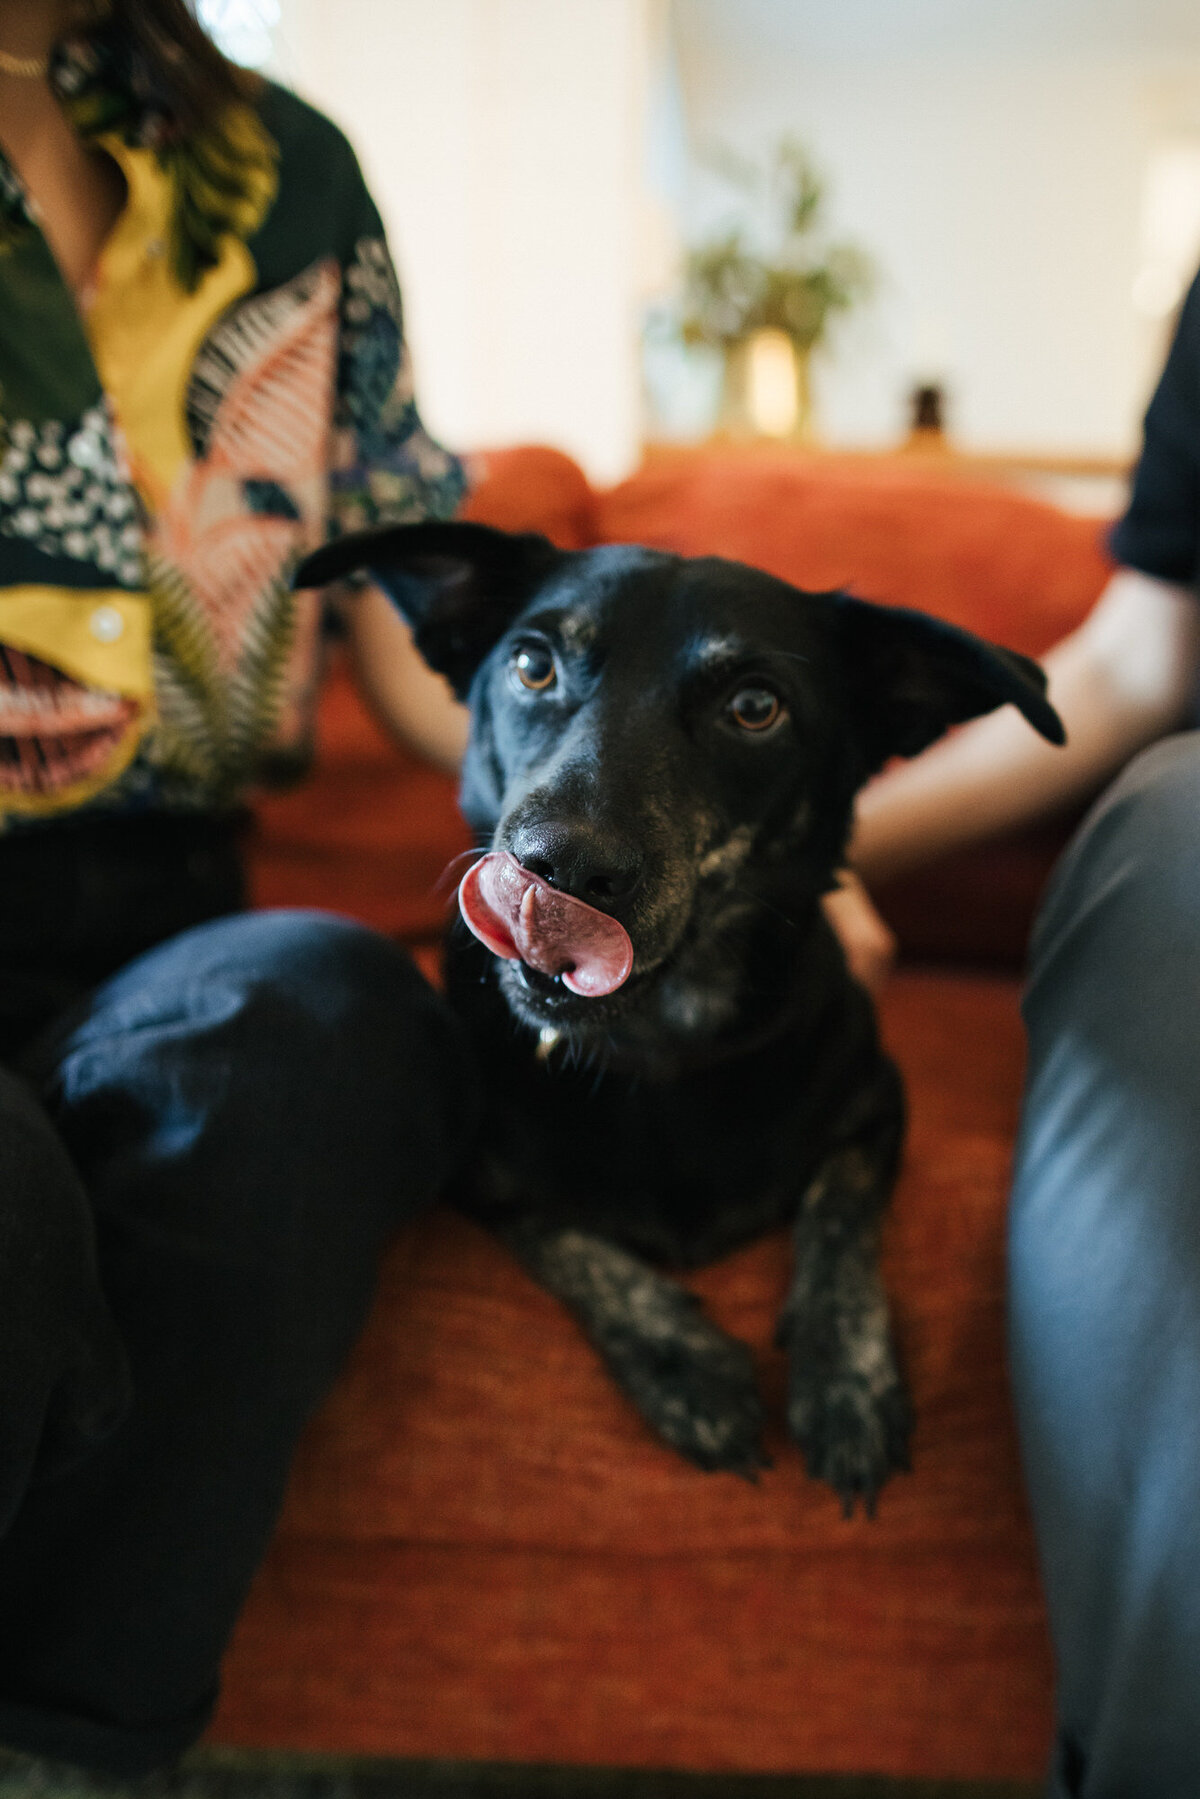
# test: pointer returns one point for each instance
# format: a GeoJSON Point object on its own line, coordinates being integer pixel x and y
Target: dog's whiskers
{"type": "Point", "coordinates": [599, 1066]}
{"type": "Point", "coordinates": [756, 899]}
{"type": "Point", "coordinates": [456, 866]}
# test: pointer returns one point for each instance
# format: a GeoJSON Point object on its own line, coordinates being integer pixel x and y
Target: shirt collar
{"type": "Point", "coordinates": [223, 176]}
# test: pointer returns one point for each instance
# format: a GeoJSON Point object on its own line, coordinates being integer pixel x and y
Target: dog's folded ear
{"type": "Point", "coordinates": [912, 676]}
{"type": "Point", "coordinates": [458, 585]}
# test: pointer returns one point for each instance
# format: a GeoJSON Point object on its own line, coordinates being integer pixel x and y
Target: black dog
{"type": "Point", "coordinates": [663, 762]}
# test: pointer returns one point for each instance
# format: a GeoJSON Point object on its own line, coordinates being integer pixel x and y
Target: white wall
{"type": "Point", "coordinates": [503, 142]}
{"type": "Point", "coordinates": [992, 155]}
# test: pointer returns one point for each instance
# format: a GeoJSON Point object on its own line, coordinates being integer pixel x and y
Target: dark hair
{"type": "Point", "coordinates": [147, 70]}
{"type": "Point", "coordinates": [197, 81]}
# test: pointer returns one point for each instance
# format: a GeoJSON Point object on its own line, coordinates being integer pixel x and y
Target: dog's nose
{"type": "Point", "coordinates": [580, 860]}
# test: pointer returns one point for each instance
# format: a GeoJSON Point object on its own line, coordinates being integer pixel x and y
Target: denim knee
{"type": "Point", "coordinates": [327, 968]}
{"type": "Point", "coordinates": [252, 1108]}
{"type": "Point", "coordinates": [262, 1068]}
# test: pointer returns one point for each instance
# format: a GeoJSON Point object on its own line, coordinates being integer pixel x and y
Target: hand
{"type": "Point", "coordinates": [867, 942]}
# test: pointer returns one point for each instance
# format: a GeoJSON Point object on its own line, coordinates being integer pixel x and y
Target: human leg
{"type": "Point", "coordinates": [1105, 1283]}
{"type": "Point", "coordinates": [63, 1380]}
{"type": "Point", "coordinates": [253, 1107]}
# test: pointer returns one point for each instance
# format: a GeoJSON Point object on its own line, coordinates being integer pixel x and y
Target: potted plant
{"type": "Point", "coordinates": [776, 302]}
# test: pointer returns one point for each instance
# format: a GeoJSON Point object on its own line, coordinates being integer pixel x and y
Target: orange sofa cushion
{"type": "Point", "coordinates": [533, 489]}
{"type": "Point", "coordinates": [993, 560]}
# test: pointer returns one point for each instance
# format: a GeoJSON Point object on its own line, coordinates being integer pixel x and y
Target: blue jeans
{"type": "Point", "coordinates": [247, 1111]}
{"type": "Point", "coordinates": [1105, 1283]}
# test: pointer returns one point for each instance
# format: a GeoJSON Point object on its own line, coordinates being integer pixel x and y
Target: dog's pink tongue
{"type": "Point", "coordinates": [520, 916]}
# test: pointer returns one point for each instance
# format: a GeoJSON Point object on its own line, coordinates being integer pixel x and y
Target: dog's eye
{"type": "Point", "coordinates": [533, 666]}
{"type": "Point", "coordinates": [755, 708]}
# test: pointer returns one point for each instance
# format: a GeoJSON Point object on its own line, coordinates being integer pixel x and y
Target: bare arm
{"type": "Point", "coordinates": [1120, 681]}
{"type": "Point", "coordinates": [410, 701]}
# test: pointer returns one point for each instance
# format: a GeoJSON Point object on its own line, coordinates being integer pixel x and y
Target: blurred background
{"type": "Point", "coordinates": [621, 223]}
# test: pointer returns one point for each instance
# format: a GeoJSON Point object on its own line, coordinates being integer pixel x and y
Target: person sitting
{"type": "Point", "coordinates": [210, 1119]}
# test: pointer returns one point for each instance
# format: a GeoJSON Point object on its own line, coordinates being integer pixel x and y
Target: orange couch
{"type": "Point", "coordinates": [482, 1554]}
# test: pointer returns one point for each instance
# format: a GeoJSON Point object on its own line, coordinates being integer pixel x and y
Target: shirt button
{"type": "Point", "coordinates": [106, 624]}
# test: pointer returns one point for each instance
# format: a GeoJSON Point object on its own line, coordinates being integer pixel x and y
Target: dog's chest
{"type": "Point", "coordinates": [678, 1170]}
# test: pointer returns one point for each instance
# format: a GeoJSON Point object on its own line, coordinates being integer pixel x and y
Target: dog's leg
{"type": "Point", "coordinates": [691, 1382]}
{"type": "Point", "coordinates": [847, 1405]}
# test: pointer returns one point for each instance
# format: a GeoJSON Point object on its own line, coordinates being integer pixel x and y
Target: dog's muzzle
{"type": "Point", "coordinates": [520, 916]}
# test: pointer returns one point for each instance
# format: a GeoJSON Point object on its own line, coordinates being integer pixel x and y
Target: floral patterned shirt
{"type": "Point", "coordinates": [233, 388]}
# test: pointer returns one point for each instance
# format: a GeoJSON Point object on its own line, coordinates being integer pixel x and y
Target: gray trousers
{"type": "Point", "coordinates": [1105, 1283]}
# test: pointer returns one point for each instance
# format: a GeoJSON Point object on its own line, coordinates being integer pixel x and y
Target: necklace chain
{"type": "Point", "coordinates": [30, 68]}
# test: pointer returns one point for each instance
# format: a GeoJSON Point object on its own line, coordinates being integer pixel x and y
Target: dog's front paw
{"type": "Point", "coordinates": [696, 1388]}
{"type": "Point", "coordinates": [853, 1430]}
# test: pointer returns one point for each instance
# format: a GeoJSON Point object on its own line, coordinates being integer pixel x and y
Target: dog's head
{"type": "Point", "coordinates": [662, 749]}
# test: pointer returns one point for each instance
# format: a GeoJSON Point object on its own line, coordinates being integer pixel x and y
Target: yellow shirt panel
{"type": "Point", "coordinates": [145, 332]}
{"type": "Point", "coordinates": [99, 636]}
